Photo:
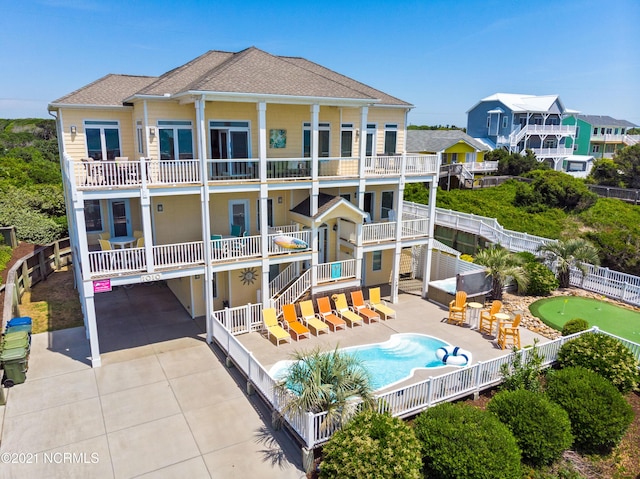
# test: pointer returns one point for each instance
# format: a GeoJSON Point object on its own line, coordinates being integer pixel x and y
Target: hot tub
{"type": "Point", "coordinates": [442, 291]}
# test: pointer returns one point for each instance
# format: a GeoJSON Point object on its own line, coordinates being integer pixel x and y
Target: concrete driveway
{"type": "Point", "coordinates": [163, 404]}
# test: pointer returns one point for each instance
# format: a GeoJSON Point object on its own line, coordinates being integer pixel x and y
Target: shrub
{"type": "Point", "coordinates": [598, 412]}
{"type": "Point", "coordinates": [463, 442]}
{"type": "Point", "coordinates": [466, 257]}
{"type": "Point", "coordinates": [519, 374]}
{"type": "Point", "coordinates": [542, 428]}
{"type": "Point", "coordinates": [574, 325]}
{"type": "Point", "coordinates": [541, 279]}
{"type": "Point", "coordinates": [602, 354]}
{"type": "Point", "coordinates": [372, 445]}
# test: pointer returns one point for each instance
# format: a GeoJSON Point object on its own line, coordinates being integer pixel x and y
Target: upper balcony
{"type": "Point", "coordinates": [95, 175]}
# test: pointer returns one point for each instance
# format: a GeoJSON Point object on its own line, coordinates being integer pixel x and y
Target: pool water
{"type": "Point", "coordinates": [390, 362]}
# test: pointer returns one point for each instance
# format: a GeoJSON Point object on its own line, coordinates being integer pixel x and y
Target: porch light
{"type": "Point", "coordinates": [152, 131]}
{"type": "Point", "coordinates": [73, 129]}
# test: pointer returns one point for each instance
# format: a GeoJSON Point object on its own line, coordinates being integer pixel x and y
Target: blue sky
{"type": "Point", "coordinates": [440, 55]}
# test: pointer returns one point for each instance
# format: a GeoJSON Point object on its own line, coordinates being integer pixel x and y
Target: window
{"type": "Point", "coordinates": [371, 139]}
{"type": "Point", "coordinates": [346, 140]}
{"type": "Point", "coordinates": [577, 131]}
{"type": "Point", "coordinates": [609, 148]}
{"type": "Point", "coordinates": [470, 157]}
{"type": "Point", "coordinates": [576, 166]}
{"type": "Point", "coordinates": [269, 213]}
{"type": "Point", "coordinates": [103, 139]}
{"type": "Point", "coordinates": [488, 121]}
{"type": "Point", "coordinates": [324, 130]}
{"type": "Point", "coordinates": [616, 131]}
{"type": "Point", "coordinates": [215, 285]}
{"type": "Point", "coordinates": [93, 215]}
{"type": "Point", "coordinates": [602, 131]}
{"type": "Point", "coordinates": [454, 157]}
{"type": "Point", "coordinates": [346, 196]}
{"type": "Point", "coordinates": [239, 214]}
{"type": "Point", "coordinates": [376, 264]}
{"type": "Point", "coordinates": [444, 159]}
{"type": "Point", "coordinates": [505, 121]}
{"type": "Point", "coordinates": [140, 137]}
{"type": "Point", "coordinates": [176, 140]}
{"type": "Point", "coordinates": [575, 147]}
{"type": "Point", "coordinates": [387, 204]}
{"type": "Point", "coordinates": [390, 138]}
{"type": "Point", "coordinates": [609, 131]}
{"type": "Point", "coordinates": [595, 131]}
{"type": "Point", "coordinates": [595, 149]}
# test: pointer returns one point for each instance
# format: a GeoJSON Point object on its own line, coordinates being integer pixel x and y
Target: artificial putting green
{"type": "Point", "coordinates": [614, 319]}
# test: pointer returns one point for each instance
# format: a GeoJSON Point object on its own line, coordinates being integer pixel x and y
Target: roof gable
{"type": "Point", "coordinates": [434, 141]}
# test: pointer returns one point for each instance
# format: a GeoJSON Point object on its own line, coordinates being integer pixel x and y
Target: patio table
{"type": "Point", "coordinates": [474, 314]}
{"type": "Point", "coordinates": [122, 241]}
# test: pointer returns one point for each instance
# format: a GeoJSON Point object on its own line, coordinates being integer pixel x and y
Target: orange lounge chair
{"type": "Point", "coordinates": [509, 329]}
{"type": "Point", "coordinates": [270, 321]}
{"type": "Point", "coordinates": [308, 317]}
{"type": "Point", "coordinates": [326, 314]}
{"type": "Point", "coordinates": [458, 309]}
{"type": "Point", "coordinates": [342, 309]}
{"type": "Point", "coordinates": [488, 317]}
{"type": "Point", "coordinates": [291, 322]}
{"type": "Point", "coordinates": [377, 304]}
{"type": "Point", "coordinates": [357, 300]}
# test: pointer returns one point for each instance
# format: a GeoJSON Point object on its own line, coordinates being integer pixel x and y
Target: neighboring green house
{"type": "Point", "coordinates": [599, 135]}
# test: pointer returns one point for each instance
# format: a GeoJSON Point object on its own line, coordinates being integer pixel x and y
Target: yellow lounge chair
{"type": "Point", "coordinates": [458, 309]}
{"type": "Point", "coordinates": [488, 317]}
{"type": "Point", "coordinates": [359, 306]}
{"type": "Point", "coordinates": [326, 314]}
{"type": "Point", "coordinates": [308, 317]}
{"type": "Point", "coordinates": [342, 309]}
{"type": "Point", "coordinates": [270, 321]}
{"type": "Point", "coordinates": [379, 305]}
{"type": "Point", "coordinates": [298, 329]}
{"type": "Point", "coordinates": [509, 329]}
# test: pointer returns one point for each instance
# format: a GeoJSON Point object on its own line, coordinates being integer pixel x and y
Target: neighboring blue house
{"type": "Point", "coordinates": [524, 122]}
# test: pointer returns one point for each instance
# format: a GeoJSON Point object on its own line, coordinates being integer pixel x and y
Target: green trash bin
{"type": "Point", "coordinates": [14, 363]}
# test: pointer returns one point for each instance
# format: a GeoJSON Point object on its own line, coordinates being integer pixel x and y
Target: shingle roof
{"type": "Point", "coordinates": [433, 141]}
{"type": "Point", "coordinates": [325, 202]}
{"type": "Point", "coordinates": [109, 90]}
{"type": "Point", "coordinates": [251, 71]}
{"type": "Point", "coordinates": [603, 120]}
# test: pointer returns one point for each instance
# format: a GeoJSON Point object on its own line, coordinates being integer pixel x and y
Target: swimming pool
{"type": "Point", "coordinates": [392, 361]}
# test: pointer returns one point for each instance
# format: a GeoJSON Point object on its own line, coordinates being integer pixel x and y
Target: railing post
{"type": "Point", "coordinates": [42, 264]}
{"type": "Point", "coordinates": [430, 391]}
{"type": "Point", "coordinates": [311, 433]}
{"type": "Point", "coordinates": [26, 283]}
{"type": "Point", "coordinates": [248, 317]}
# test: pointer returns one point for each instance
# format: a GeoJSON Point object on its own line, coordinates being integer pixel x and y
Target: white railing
{"type": "Point", "coordinates": [414, 228]}
{"type": "Point", "coordinates": [420, 165]}
{"type": "Point", "coordinates": [285, 277]}
{"type": "Point", "coordinates": [295, 291]}
{"type": "Point", "coordinates": [241, 319]}
{"type": "Point", "coordinates": [173, 172]}
{"type": "Point", "coordinates": [117, 261]}
{"type": "Point", "coordinates": [338, 167]}
{"type": "Point", "coordinates": [176, 255]}
{"type": "Point", "coordinates": [337, 270]}
{"type": "Point", "coordinates": [564, 130]}
{"type": "Point", "coordinates": [105, 174]}
{"type": "Point", "coordinates": [288, 168]}
{"type": "Point", "coordinates": [376, 232]}
{"type": "Point", "coordinates": [300, 235]}
{"type": "Point", "coordinates": [227, 249]}
{"type": "Point", "coordinates": [613, 284]}
{"type": "Point", "coordinates": [558, 151]}
{"type": "Point", "coordinates": [482, 166]}
{"type": "Point", "coordinates": [231, 169]}
{"type": "Point", "coordinates": [286, 229]}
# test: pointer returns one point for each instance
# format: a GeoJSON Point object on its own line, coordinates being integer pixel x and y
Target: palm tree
{"type": "Point", "coordinates": [571, 253]}
{"type": "Point", "coordinates": [326, 381]}
{"type": "Point", "coordinates": [503, 267]}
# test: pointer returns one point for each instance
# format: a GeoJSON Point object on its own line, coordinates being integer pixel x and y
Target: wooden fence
{"type": "Point", "coordinates": [30, 270]}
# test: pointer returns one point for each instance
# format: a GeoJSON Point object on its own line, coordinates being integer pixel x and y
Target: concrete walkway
{"type": "Point", "coordinates": [162, 405]}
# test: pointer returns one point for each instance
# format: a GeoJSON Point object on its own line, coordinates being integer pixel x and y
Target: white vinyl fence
{"type": "Point", "coordinates": [613, 284]}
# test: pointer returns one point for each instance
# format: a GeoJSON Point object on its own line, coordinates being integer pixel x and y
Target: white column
{"type": "Point", "coordinates": [397, 257]}
{"type": "Point", "coordinates": [262, 139]}
{"type": "Point", "coordinates": [81, 228]}
{"type": "Point", "coordinates": [315, 192]}
{"type": "Point", "coordinates": [147, 231]}
{"type": "Point", "coordinates": [90, 322]}
{"type": "Point", "coordinates": [262, 203]}
{"type": "Point", "coordinates": [426, 274]}
{"type": "Point", "coordinates": [364, 111]}
{"type": "Point", "coordinates": [206, 220]}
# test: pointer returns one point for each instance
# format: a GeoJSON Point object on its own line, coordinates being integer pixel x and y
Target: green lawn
{"type": "Point", "coordinates": [611, 318]}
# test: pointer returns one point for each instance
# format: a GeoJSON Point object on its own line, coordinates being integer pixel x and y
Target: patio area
{"type": "Point", "coordinates": [414, 315]}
